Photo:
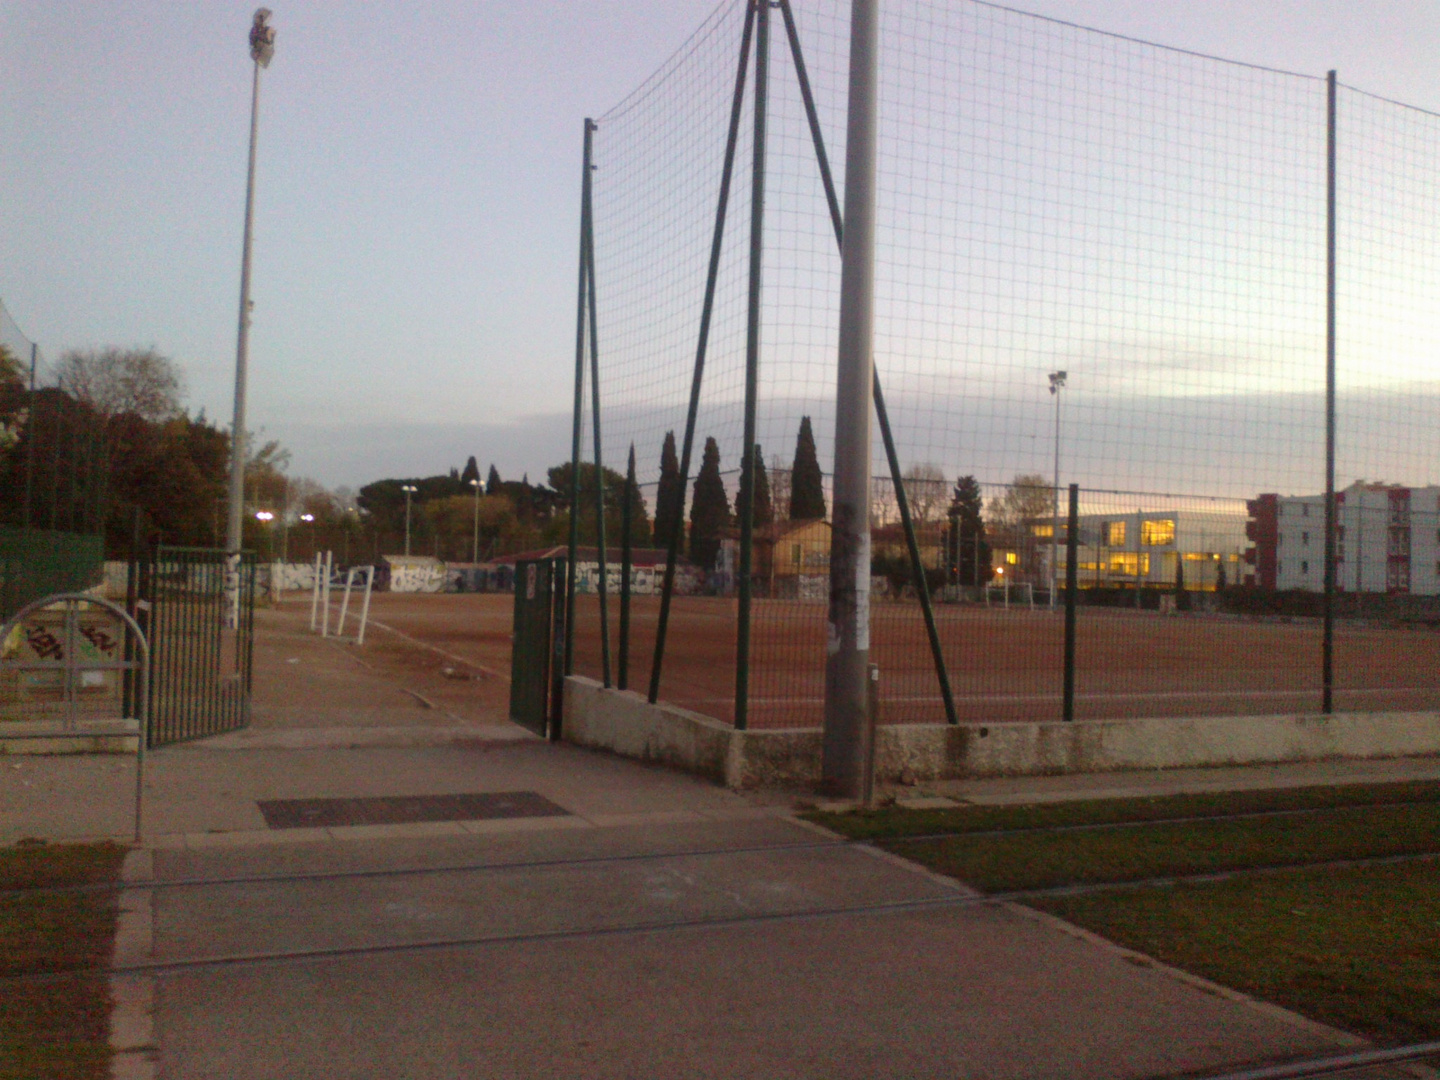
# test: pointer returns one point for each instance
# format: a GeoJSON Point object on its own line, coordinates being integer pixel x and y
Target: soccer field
{"type": "Point", "coordinates": [1004, 665]}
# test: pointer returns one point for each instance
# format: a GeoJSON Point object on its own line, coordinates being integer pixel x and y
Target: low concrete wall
{"type": "Point", "coordinates": [625, 723]}
{"type": "Point", "coordinates": [89, 737]}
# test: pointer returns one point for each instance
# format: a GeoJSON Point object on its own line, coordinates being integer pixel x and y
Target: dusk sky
{"type": "Point", "coordinates": [417, 206]}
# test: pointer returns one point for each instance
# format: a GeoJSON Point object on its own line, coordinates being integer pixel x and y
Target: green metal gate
{"type": "Point", "coordinates": [537, 645]}
{"type": "Point", "coordinates": [197, 608]}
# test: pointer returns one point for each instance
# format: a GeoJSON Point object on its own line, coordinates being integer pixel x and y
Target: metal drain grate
{"type": "Point", "coordinates": [406, 809]}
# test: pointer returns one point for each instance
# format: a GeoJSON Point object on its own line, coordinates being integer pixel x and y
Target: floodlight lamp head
{"type": "Point", "coordinates": [262, 38]}
{"type": "Point", "coordinates": [1057, 380]}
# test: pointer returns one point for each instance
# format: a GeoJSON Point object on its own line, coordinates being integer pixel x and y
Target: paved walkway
{"type": "Point", "coordinates": [660, 926]}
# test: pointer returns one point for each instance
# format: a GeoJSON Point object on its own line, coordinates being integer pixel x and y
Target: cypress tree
{"type": "Point", "coordinates": [667, 493]}
{"type": "Point", "coordinates": [471, 472]}
{"type": "Point", "coordinates": [764, 508]}
{"type": "Point", "coordinates": [710, 510]}
{"type": "Point", "coordinates": [969, 551]}
{"type": "Point", "coordinates": [807, 488]}
{"type": "Point", "coordinates": [492, 482]}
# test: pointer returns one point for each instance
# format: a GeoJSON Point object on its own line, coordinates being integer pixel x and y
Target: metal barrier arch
{"type": "Point", "coordinates": [70, 662]}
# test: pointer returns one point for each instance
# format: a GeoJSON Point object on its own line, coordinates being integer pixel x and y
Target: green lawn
{"type": "Point", "coordinates": [1355, 947]}
{"type": "Point", "coordinates": [877, 824]}
{"type": "Point", "coordinates": [56, 1027]}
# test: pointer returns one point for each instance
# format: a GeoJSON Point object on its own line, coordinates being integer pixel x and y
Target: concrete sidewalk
{"type": "Point", "coordinates": [655, 925]}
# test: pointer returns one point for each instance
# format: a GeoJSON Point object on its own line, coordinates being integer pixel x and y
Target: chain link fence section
{"type": "Point", "coordinates": [1100, 261]}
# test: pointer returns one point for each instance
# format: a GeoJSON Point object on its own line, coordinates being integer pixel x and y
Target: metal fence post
{"type": "Point", "coordinates": [752, 363]}
{"type": "Point", "coordinates": [1327, 652]}
{"type": "Point", "coordinates": [627, 524]}
{"type": "Point", "coordinates": [1072, 589]}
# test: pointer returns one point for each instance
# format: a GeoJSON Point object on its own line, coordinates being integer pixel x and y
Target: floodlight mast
{"type": "Point", "coordinates": [1057, 381]}
{"type": "Point", "coordinates": [262, 49]}
{"type": "Point", "coordinates": [408, 489]}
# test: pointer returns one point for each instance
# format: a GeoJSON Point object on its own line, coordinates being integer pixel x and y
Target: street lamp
{"type": "Point", "coordinates": [475, 557]}
{"type": "Point", "coordinates": [1057, 380]}
{"type": "Point", "coordinates": [262, 48]}
{"type": "Point", "coordinates": [409, 490]}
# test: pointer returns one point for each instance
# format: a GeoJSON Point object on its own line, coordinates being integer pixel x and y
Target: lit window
{"type": "Point", "coordinates": [1011, 558]}
{"type": "Point", "coordinates": [1157, 533]}
{"type": "Point", "coordinates": [1198, 556]}
{"type": "Point", "coordinates": [1129, 564]}
{"type": "Point", "coordinates": [1044, 532]}
{"type": "Point", "coordinates": [1115, 534]}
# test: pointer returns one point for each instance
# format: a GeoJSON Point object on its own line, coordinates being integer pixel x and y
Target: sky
{"type": "Point", "coordinates": [417, 193]}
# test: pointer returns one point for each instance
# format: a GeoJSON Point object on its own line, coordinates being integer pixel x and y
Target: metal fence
{"type": "Point", "coordinates": [1189, 286]}
{"type": "Point", "coordinates": [197, 609]}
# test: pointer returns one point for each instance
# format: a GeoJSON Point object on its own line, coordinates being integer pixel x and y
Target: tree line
{"type": "Point", "coordinates": [168, 474]}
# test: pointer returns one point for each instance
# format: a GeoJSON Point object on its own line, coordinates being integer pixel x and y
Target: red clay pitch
{"type": "Point", "coordinates": [1004, 665]}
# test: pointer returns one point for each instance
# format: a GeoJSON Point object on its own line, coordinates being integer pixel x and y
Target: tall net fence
{"type": "Point", "coordinates": [1099, 262]}
{"type": "Point", "coordinates": [18, 349]}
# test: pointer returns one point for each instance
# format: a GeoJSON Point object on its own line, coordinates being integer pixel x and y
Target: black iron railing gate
{"type": "Point", "coordinates": [537, 645]}
{"type": "Point", "coordinates": [197, 608]}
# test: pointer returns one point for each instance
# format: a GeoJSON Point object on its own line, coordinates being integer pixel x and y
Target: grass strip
{"type": "Point", "coordinates": [896, 821]}
{"type": "Point", "coordinates": [1356, 948]}
{"type": "Point", "coordinates": [1043, 860]}
{"type": "Point", "coordinates": [59, 1028]}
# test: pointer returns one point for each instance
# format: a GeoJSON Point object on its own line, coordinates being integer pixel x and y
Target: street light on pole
{"type": "Point", "coordinates": [262, 48]}
{"type": "Point", "coordinates": [475, 556]}
{"type": "Point", "coordinates": [409, 490]}
{"type": "Point", "coordinates": [1057, 381]}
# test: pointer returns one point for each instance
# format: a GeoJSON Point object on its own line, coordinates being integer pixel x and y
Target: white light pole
{"type": "Point", "coordinates": [262, 48]}
{"type": "Point", "coordinates": [475, 557]}
{"type": "Point", "coordinates": [1057, 380]}
{"type": "Point", "coordinates": [409, 490]}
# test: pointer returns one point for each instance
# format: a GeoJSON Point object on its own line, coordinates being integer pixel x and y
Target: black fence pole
{"type": "Point", "coordinates": [602, 586]}
{"type": "Point", "coordinates": [678, 527]}
{"type": "Point", "coordinates": [569, 664]}
{"type": "Point", "coordinates": [1072, 590]}
{"type": "Point", "coordinates": [752, 366]}
{"type": "Point", "coordinates": [1327, 657]}
{"type": "Point", "coordinates": [627, 525]}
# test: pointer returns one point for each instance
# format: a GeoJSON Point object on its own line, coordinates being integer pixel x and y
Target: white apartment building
{"type": "Point", "coordinates": [1387, 540]}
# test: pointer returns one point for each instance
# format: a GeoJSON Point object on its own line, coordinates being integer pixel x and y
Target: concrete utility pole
{"type": "Point", "coordinates": [262, 48]}
{"type": "Point", "coordinates": [847, 734]}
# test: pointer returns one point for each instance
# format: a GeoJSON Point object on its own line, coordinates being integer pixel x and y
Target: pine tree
{"type": "Point", "coordinates": [710, 511]}
{"type": "Point", "coordinates": [493, 481]}
{"type": "Point", "coordinates": [667, 493]}
{"type": "Point", "coordinates": [470, 472]}
{"type": "Point", "coordinates": [969, 551]}
{"type": "Point", "coordinates": [807, 489]}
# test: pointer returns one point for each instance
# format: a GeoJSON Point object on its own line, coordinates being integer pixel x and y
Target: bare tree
{"type": "Point", "coordinates": [928, 493]}
{"type": "Point", "coordinates": [1014, 516]}
{"type": "Point", "coordinates": [113, 381]}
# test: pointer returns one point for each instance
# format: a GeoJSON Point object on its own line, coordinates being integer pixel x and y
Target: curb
{"type": "Point", "coordinates": [132, 1012]}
